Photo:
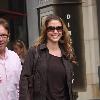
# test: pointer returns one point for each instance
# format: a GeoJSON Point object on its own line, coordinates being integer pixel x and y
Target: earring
{"type": "Point", "coordinates": [8, 39]}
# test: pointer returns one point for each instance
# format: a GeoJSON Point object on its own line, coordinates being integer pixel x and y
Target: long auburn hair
{"type": "Point", "coordinates": [65, 39]}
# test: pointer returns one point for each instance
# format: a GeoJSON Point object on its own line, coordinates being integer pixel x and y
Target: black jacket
{"type": "Point", "coordinates": [37, 84]}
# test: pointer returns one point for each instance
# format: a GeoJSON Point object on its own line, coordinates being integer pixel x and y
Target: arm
{"type": "Point", "coordinates": [14, 76]}
{"type": "Point", "coordinates": [18, 72]}
{"type": "Point", "coordinates": [26, 72]}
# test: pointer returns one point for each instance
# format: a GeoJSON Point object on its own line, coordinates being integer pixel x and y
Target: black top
{"type": "Point", "coordinates": [57, 88]}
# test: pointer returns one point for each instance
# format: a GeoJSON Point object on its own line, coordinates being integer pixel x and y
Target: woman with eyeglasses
{"type": "Point", "coordinates": [10, 66]}
{"type": "Point", "coordinates": [52, 71]}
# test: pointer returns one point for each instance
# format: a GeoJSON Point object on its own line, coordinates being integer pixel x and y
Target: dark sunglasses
{"type": "Point", "coordinates": [52, 28]}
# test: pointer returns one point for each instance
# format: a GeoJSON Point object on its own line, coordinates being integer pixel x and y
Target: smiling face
{"type": "Point", "coordinates": [3, 38]}
{"type": "Point", "coordinates": [54, 31]}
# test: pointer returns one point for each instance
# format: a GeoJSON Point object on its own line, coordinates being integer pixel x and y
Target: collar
{"type": "Point", "coordinates": [6, 54]}
{"type": "Point", "coordinates": [44, 47]}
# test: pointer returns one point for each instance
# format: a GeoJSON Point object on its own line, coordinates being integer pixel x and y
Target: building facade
{"type": "Point", "coordinates": [82, 17]}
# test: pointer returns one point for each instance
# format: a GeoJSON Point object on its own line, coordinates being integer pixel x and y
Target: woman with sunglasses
{"type": "Point", "coordinates": [53, 69]}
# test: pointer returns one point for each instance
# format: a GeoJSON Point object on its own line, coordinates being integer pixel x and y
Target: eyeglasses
{"type": "Point", "coordinates": [52, 28]}
{"type": "Point", "coordinates": [4, 35]}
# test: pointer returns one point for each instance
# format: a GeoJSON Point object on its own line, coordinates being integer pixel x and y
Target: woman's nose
{"type": "Point", "coordinates": [55, 31]}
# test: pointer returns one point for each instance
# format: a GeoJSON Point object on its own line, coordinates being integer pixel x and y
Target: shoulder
{"type": "Point", "coordinates": [13, 60]}
{"type": "Point", "coordinates": [32, 50]}
{"type": "Point", "coordinates": [11, 53]}
{"type": "Point", "coordinates": [12, 57]}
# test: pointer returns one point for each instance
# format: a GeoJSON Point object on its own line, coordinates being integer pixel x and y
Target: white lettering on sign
{"type": "Point", "coordinates": [68, 16]}
{"type": "Point", "coordinates": [68, 24]}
